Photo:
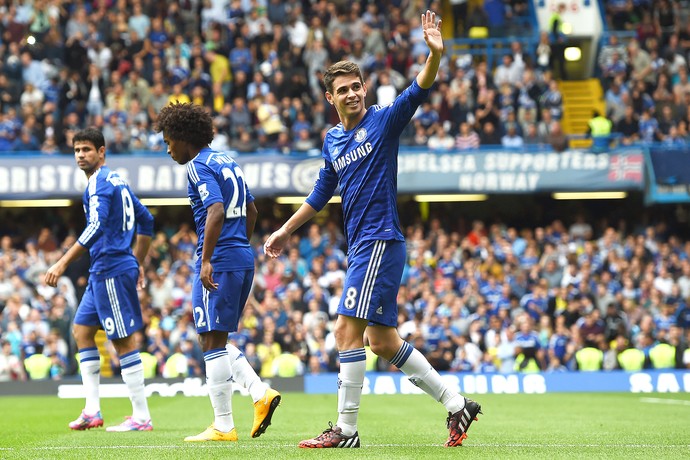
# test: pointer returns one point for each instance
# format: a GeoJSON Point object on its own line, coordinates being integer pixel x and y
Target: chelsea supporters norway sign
{"type": "Point", "coordinates": [154, 175]}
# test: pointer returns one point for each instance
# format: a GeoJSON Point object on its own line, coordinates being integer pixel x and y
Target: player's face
{"type": "Point", "coordinates": [348, 97]}
{"type": "Point", "coordinates": [88, 158]}
{"type": "Point", "coordinates": [180, 151]}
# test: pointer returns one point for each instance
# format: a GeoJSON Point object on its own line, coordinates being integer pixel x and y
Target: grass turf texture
{"type": "Point", "coordinates": [593, 425]}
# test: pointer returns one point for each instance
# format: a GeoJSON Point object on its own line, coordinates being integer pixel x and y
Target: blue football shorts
{"type": "Point", "coordinates": [373, 278]}
{"type": "Point", "coordinates": [220, 310]}
{"type": "Point", "coordinates": [113, 304]}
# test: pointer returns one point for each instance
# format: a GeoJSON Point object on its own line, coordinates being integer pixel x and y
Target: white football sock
{"type": "Point", "coordinates": [350, 381]}
{"type": "Point", "coordinates": [218, 378]}
{"type": "Point", "coordinates": [422, 374]}
{"type": "Point", "coordinates": [133, 376]}
{"type": "Point", "coordinates": [90, 367]}
{"type": "Point", "coordinates": [244, 374]}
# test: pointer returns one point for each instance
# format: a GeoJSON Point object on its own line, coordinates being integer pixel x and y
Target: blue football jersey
{"type": "Point", "coordinates": [216, 178]}
{"type": "Point", "coordinates": [114, 215]}
{"type": "Point", "coordinates": [364, 163]}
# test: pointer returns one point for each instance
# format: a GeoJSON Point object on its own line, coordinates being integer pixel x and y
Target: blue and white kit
{"type": "Point", "coordinates": [215, 177]}
{"type": "Point", "coordinates": [114, 215]}
{"type": "Point", "coordinates": [364, 163]}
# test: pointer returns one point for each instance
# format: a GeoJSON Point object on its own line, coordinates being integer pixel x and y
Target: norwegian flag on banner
{"type": "Point", "coordinates": [626, 168]}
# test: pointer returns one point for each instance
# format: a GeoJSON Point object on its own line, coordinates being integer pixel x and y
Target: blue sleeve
{"type": "Point", "coordinates": [99, 208]}
{"type": "Point", "coordinates": [248, 194]}
{"type": "Point", "coordinates": [405, 105]}
{"type": "Point", "coordinates": [144, 218]}
{"type": "Point", "coordinates": [207, 185]}
{"type": "Point", "coordinates": [324, 187]}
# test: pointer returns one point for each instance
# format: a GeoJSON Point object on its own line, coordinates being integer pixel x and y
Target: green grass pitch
{"type": "Point", "coordinates": [550, 426]}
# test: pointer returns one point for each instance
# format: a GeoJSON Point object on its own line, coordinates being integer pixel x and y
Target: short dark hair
{"type": "Point", "coordinates": [92, 135]}
{"type": "Point", "coordinates": [338, 69]}
{"type": "Point", "coordinates": [186, 122]}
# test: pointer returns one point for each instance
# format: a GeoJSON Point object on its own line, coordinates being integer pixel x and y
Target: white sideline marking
{"type": "Point", "coordinates": [677, 402]}
{"type": "Point", "coordinates": [245, 446]}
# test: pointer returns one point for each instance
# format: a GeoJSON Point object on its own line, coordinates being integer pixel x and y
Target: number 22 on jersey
{"type": "Point", "coordinates": [236, 208]}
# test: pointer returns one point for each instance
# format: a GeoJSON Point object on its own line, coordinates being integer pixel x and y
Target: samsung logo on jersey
{"type": "Point", "coordinates": [353, 155]}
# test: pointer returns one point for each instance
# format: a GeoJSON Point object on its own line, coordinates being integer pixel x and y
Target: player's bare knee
{"type": "Point", "coordinates": [212, 340]}
{"type": "Point", "coordinates": [83, 336]}
{"type": "Point", "coordinates": [348, 334]}
{"type": "Point", "coordinates": [342, 337]}
{"type": "Point", "coordinates": [124, 345]}
{"type": "Point", "coordinates": [381, 348]}
{"type": "Point", "coordinates": [377, 347]}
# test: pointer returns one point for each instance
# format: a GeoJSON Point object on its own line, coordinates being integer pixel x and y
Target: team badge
{"type": "Point", "coordinates": [360, 135]}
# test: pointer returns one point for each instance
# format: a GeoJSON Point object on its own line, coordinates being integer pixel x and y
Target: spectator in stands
{"type": "Point", "coordinates": [508, 72]}
{"type": "Point", "coordinates": [614, 67]}
{"type": "Point", "coordinates": [666, 18]}
{"type": "Point", "coordinates": [489, 135]}
{"type": "Point", "coordinates": [511, 139]}
{"type": "Point", "coordinates": [386, 92]}
{"type": "Point", "coordinates": [556, 138]}
{"type": "Point", "coordinates": [557, 41]}
{"type": "Point", "coordinates": [674, 138]}
{"type": "Point", "coordinates": [552, 100]}
{"type": "Point", "coordinates": [426, 118]}
{"type": "Point", "coordinates": [440, 140]}
{"type": "Point", "coordinates": [641, 64]}
{"type": "Point", "coordinates": [612, 46]}
{"type": "Point", "coordinates": [617, 99]}
{"type": "Point", "coordinates": [543, 53]}
{"type": "Point", "coordinates": [467, 139]}
{"type": "Point", "coordinates": [599, 129]}
{"type": "Point", "coordinates": [648, 127]}
{"type": "Point", "coordinates": [25, 142]}
{"type": "Point", "coordinates": [11, 367]}
{"type": "Point", "coordinates": [532, 136]}
{"type": "Point", "coordinates": [667, 120]}
{"type": "Point", "coordinates": [270, 122]}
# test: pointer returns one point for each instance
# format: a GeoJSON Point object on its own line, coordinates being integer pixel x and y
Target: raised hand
{"type": "Point", "coordinates": [432, 32]}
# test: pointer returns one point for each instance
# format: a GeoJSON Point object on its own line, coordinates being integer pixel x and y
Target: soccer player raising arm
{"type": "Point", "coordinates": [361, 156]}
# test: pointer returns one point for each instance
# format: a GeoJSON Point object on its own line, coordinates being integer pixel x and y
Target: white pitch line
{"type": "Point", "coordinates": [249, 446]}
{"type": "Point", "coordinates": [676, 402]}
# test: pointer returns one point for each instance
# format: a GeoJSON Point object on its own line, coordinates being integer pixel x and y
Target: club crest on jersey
{"type": "Point", "coordinates": [361, 134]}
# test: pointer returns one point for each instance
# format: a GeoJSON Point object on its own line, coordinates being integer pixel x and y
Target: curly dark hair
{"type": "Point", "coordinates": [186, 122]}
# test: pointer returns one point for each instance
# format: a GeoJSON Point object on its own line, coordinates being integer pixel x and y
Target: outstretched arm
{"type": "Point", "coordinates": [434, 40]}
{"type": "Point", "coordinates": [278, 239]}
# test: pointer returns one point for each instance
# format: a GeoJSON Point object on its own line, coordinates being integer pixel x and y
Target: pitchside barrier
{"type": "Point", "coordinates": [671, 381]}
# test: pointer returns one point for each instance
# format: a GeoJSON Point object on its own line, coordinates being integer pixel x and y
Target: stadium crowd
{"type": "Point", "coordinates": [257, 66]}
{"type": "Point", "coordinates": [645, 77]}
{"type": "Point", "coordinates": [488, 298]}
